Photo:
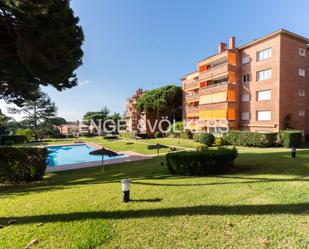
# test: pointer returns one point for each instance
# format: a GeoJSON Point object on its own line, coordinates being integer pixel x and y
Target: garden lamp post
{"type": "Point", "coordinates": [125, 186]}
{"type": "Point", "coordinates": [293, 152]}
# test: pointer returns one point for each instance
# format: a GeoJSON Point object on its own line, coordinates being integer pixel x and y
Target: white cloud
{"type": "Point", "coordinates": [4, 108]}
{"type": "Point", "coordinates": [83, 82]}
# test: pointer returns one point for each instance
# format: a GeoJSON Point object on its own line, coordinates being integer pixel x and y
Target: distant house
{"type": "Point", "coordinates": [74, 128]}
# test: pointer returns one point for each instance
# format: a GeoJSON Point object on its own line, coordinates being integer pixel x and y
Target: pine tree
{"type": "Point", "coordinates": [40, 44]}
{"type": "Point", "coordinates": [38, 110]}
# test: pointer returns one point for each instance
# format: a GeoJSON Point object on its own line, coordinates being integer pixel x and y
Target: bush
{"type": "Point", "coordinates": [15, 139]}
{"type": "Point", "coordinates": [175, 130]}
{"type": "Point", "coordinates": [204, 138]}
{"type": "Point", "coordinates": [220, 141]}
{"type": "Point", "coordinates": [290, 138]}
{"type": "Point", "coordinates": [207, 139]}
{"type": "Point", "coordinates": [251, 139]}
{"type": "Point", "coordinates": [158, 134]}
{"type": "Point", "coordinates": [201, 163]}
{"type": "Point", "coordinates": [27, 133]}
{"type": "Point", "coordinates": [142, 135]}
{"type": "Point", "coordinates": [196, 137]}
{"type": "Point", "coordinates": [22, 164]}
{"type": "Point", "coordinates": [110, 137]}
{"type": "Point", "coordinates": [187, 134]}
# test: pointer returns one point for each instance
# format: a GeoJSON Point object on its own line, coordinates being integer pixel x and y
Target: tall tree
{"type": "Point", "coordinates": [40, 44]}
{"type": "Point", "coordinates": [163, 101]}
{"type": "Point", "coordinates": [57, 121]}
{"type": "Point", "coordinates": [96, 116]}
{"type": "Point", "coordinates": [38, 110]}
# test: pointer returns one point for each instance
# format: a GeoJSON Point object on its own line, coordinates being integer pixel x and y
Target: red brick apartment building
{"type": "Point", "coordinates": [135, 120]}
{"type": "Point", "coordinates": [260, 86]}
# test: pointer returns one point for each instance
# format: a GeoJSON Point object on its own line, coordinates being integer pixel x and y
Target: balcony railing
{"type": "Point", "coordinates": [192, 109]}
{"type": "Point", "coordinates": [223, 86]}
{"type": "Point", "coordinates": [212, 72]}
{"type": "Point", "coordinates": [194, 97]}
{"type": "Point", "coordinates": [192, 85]}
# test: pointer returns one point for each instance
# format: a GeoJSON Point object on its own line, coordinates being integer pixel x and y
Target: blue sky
{"type": "Point", "coordinates": [145, 44]}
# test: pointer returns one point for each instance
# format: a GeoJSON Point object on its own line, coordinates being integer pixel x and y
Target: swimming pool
{"type": "Point", "coordinates": [73, 154]}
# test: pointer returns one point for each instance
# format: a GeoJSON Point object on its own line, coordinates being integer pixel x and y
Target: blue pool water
{"type": "Point", "coordinates": [71, 154]}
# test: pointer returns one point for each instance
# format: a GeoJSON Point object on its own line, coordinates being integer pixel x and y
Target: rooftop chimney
{"type": "Point", "coordinates": [139, 92]}
{"type": "Point", "coordinates": [232, 43]}
{"type": "Point", "coordinates": [222, 47]}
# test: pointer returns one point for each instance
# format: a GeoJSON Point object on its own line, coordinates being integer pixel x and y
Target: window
{"type": "Point", "coordinates": [245, 115]}
{"type": "Point", "coordinates": [301, 113]}
{"type": "Point", "coordinates": [245, 97]}
{"type": "Point", "coordinates": [246, 78]}
{"type": "Point", "coordinates": [263, 54]}
{"type": "Point", "coordinates": [245, 60]}
{"type": "Point", "coordinates": [263, 115]}
{"type": "Point", "coordinates": [301, 93]}
{"type": "Point", "coordinates": [264, 95]}
{"type": "Point", "coordinates": [263, 75]}
{"type": "Point", "coordinates": [301, 72]}
{"type": "Point", "coordinates": [302, 52]}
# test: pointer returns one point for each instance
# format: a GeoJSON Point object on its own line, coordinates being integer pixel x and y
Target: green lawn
{"type": "Point", "coordinates": [264, 204]}
{"type": "Point", "coordinates": [127, 145]}
{"type": "Point", "coordinates": [187, 143]}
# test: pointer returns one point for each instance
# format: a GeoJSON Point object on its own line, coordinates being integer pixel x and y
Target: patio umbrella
{"type": "Point", "coordinates": [103, 152]}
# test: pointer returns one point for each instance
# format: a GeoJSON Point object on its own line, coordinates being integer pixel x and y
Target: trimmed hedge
{"type": "Point", "coordinates": [110, 137]}
{"type": "Point", "coordinates": [201, 163]}
{"type": "Point", "coordinates": [22, 164]}
{"type": "Point", "coordinates": [158, 134]}
{"type": "Point", "coordinates": [142, 135]}
{"type": "Point", "coordinates": [14, 139]}
{"type": "Point", "coordinates": [292, 138]}
{"type": "Point", "coordinates": [251, 139]}
{"type": "Point", "coordinates": [204, 138]}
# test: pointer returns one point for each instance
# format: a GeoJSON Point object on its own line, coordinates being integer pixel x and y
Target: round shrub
{"type": "Point", "coordinates": [158, 134]}
{"type": "Point", "coordinates": [204, 138]}
{"type": "Point", "coordinates": [188, 133]}
{"type": "Point", "coordinates": [196, 137]}
{"type": "Point", "coordinates": [290, 138]}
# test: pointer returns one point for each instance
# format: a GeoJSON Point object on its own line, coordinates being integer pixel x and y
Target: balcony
{"type": "Point", "coordinates": [192, 109]}
{"type": "Point", "coordinates": [191, 84]}
{"type": "Point", "coordinates": [223, 86]}
{"type": "Point", "coordinates": [216, 71]}
{"type": "Point", "coordinates": [192, 98]}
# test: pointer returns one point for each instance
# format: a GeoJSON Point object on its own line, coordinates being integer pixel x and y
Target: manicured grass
{"type": "Point", "coordinates": [187, 143]}
{"type": "Point", "coordinates": [127, 145]}
{"type": "Point", "coordinates": [116, 145]}
{"type": "Point", "coordinates": [264, 204]}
